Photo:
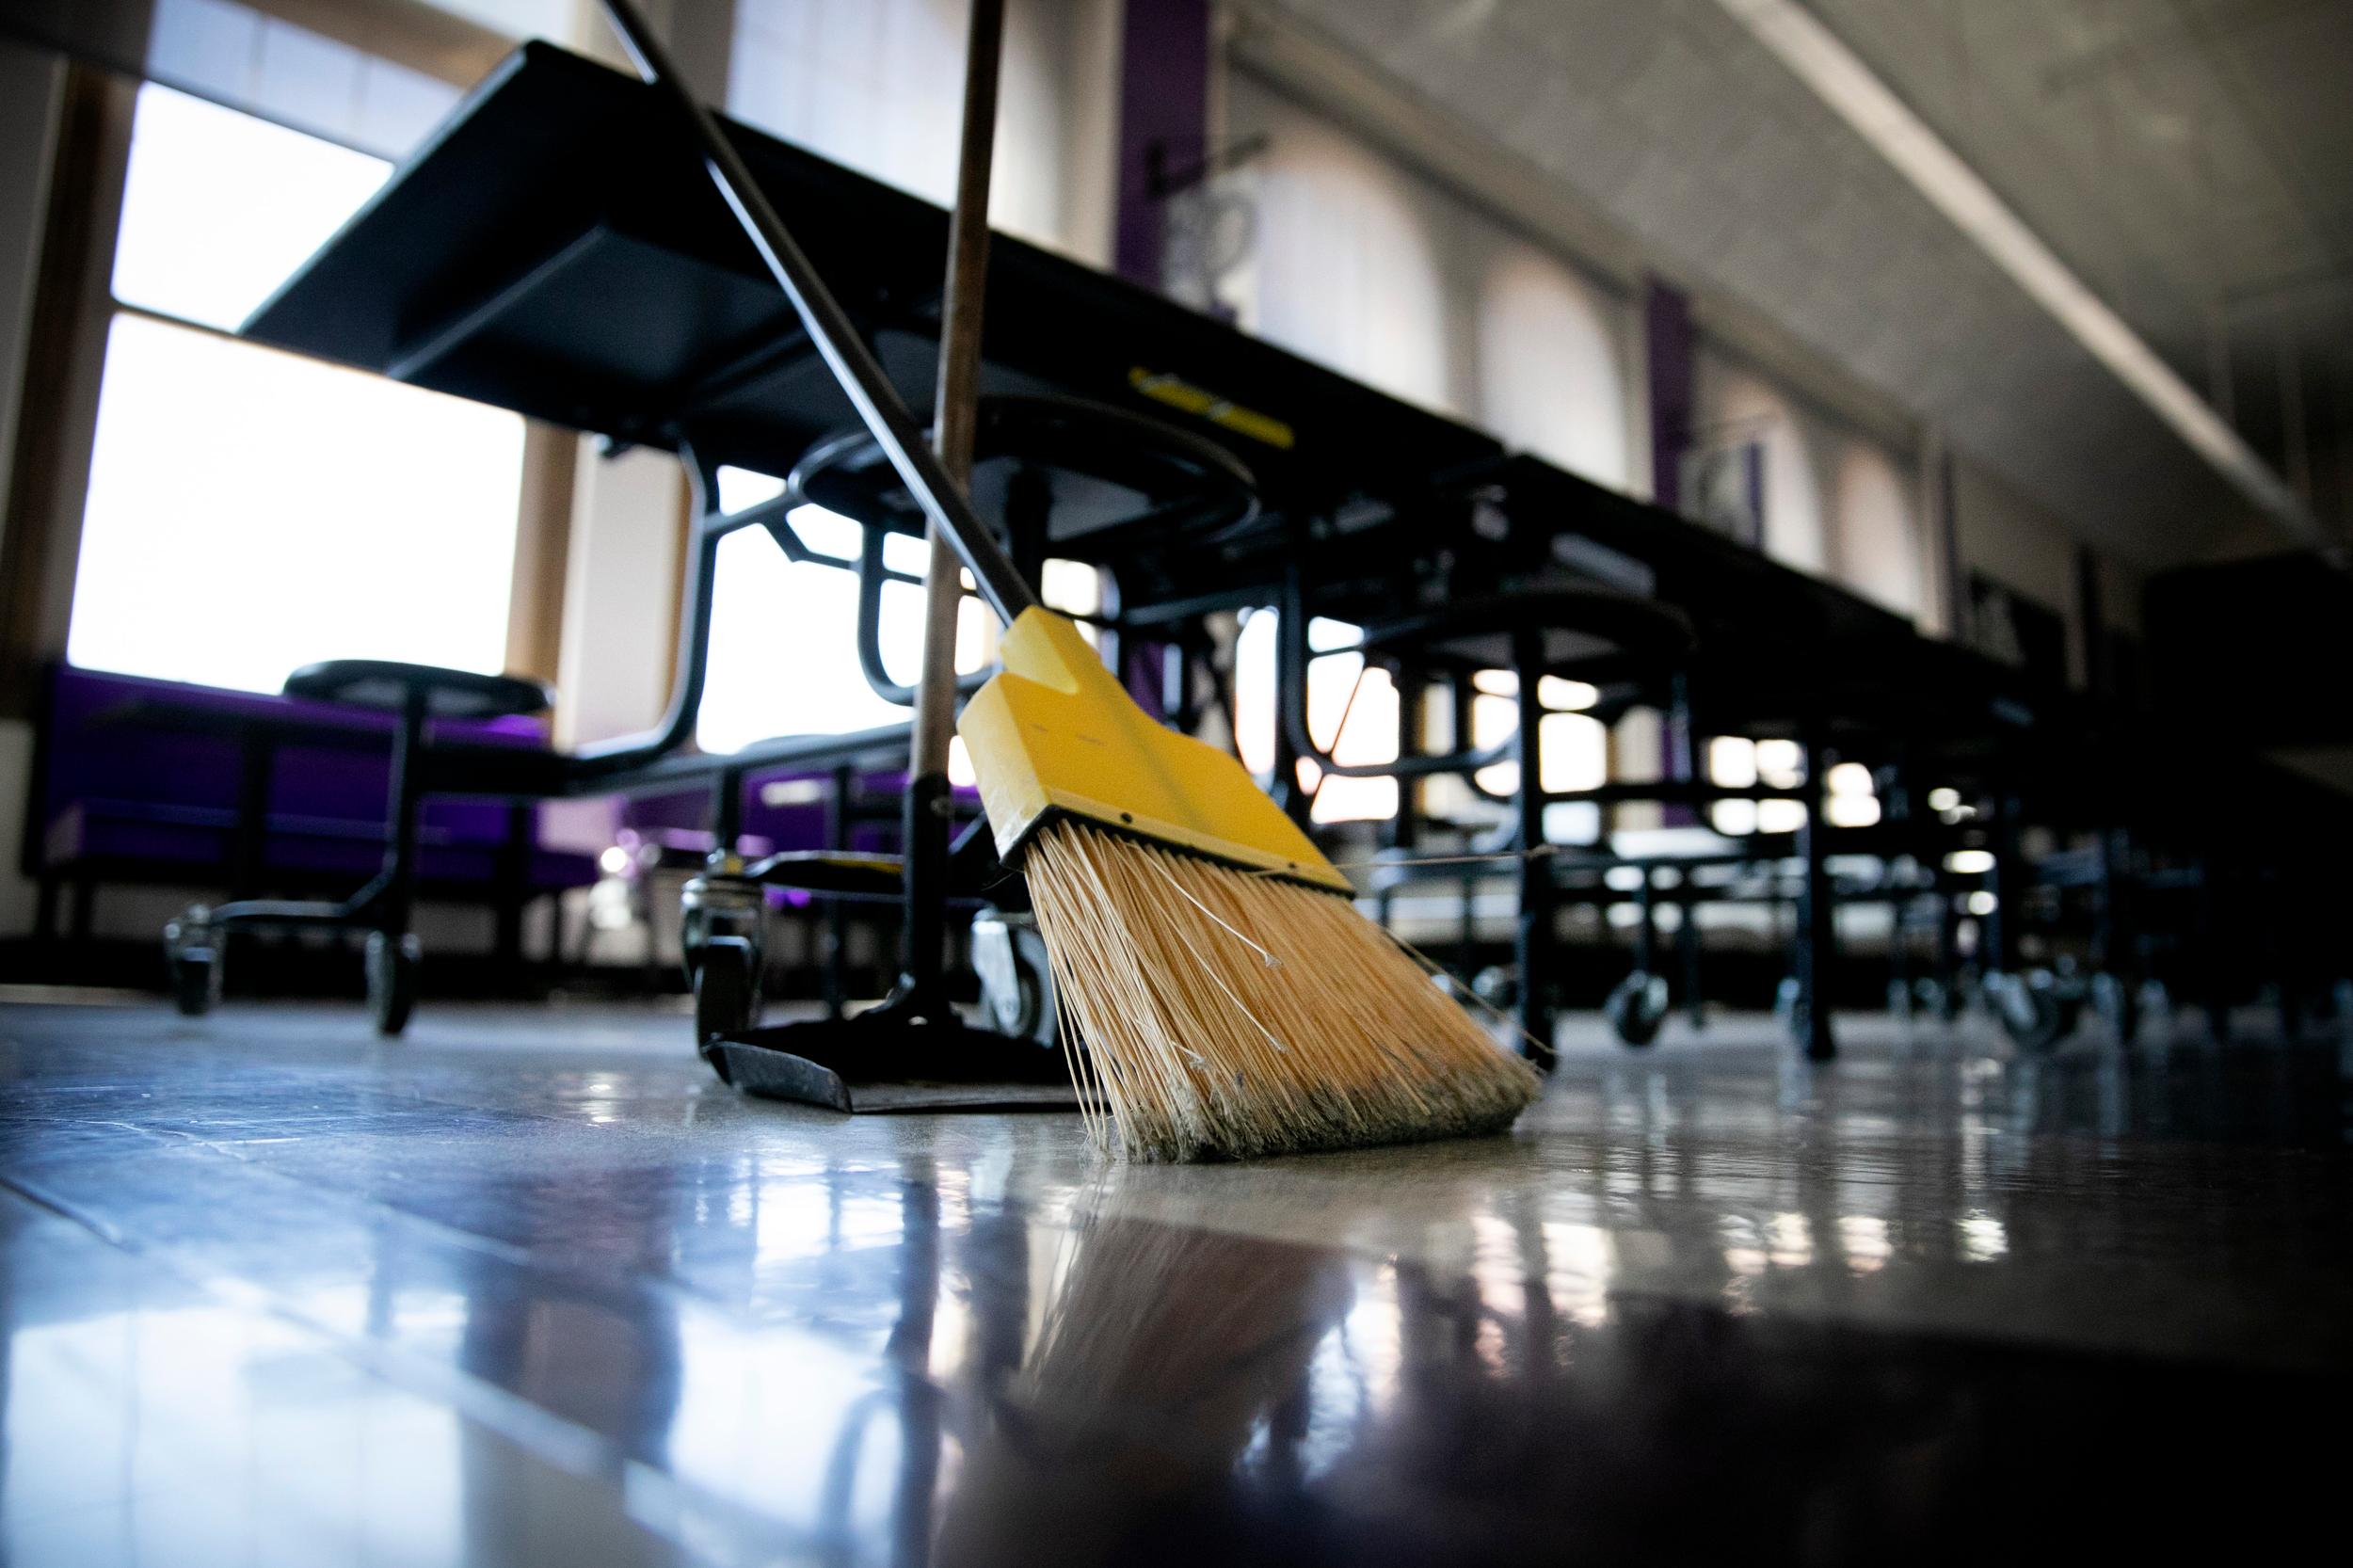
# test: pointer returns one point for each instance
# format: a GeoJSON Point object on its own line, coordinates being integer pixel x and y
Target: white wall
{"type": "Point", "coordinates": [1364, 265]}
{"type": "Point", "coordinates": [1837, 504]}
{"type": "Point", "coordinates": [2003, 535]}
{"type": "Point", "coordinates": [1737, 405]}
{"type": "Point", "coordinates": [1880, 540]}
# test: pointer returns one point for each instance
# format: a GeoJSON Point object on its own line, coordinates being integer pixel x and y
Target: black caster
{"type": "Point", "coordinates": [1637, 1007]}
{"type": "Point", "coordinates": [727, 992]}
{"type": "Point", "coordinates": [1786, 998]}
{"type": "Point", "coordinates": [1017, 977]}
{"type": "Point", "coordinates": [192, 956]}
{"type": "Point", "coordinates": [2034, 1011]}
{"type": "Point", "coordinates": [392, 963]}
{"type": "Point", "coordinates": [722, 933]}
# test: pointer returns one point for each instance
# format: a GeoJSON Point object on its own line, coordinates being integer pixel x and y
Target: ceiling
{"type": "Point", "coordinates": [2191, 160]}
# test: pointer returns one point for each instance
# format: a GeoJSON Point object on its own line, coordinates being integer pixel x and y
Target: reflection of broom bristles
{"type": "Point", "coordinates": [1228, 1015]}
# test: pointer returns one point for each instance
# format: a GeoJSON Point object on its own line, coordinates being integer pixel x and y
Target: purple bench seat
{"type": "Point", "coordinates": [306, 848]}
{"type": "Point", "coordinates": [160, 782]}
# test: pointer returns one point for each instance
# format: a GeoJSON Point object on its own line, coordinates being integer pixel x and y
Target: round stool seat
{"type": "Point", "coordinates": [1103, 467]}
{"type": "Point", "coordinates": [448, 693]}
{"type": "Point", "coordinates": [1574, 625]}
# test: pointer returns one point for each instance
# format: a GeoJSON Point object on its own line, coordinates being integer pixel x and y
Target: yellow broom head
{"type": "Point", "coordinates": [1232, 1000]}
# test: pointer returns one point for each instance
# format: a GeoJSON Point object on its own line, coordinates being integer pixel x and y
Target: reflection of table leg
{"type": "Point", "coordinates": [1687, 948]}
{"type": "Point", "coordinates": [1534, 954]}
{"type": "Point", "coordinates": [1813, 950]}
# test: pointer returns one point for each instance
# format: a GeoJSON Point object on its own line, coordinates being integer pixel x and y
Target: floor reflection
{"type": "Point", "coordinates": [281, 1300]}
{"type": "Point", "coordinates": [1163, 1355]}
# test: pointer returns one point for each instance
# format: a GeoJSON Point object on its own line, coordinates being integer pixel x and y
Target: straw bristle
{"type": "Point", "coordinates": [1228, 1015]}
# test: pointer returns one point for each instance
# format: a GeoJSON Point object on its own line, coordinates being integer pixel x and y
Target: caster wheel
{"type": "Point", "coordinates": [727, 992]}
{"type": "Point", "coordinates": [393, 980]}
{"type": "Point", "coordinates": [192, 956]}
{"type": "Point", "coordinates": [1786, 998]}
{"type": "Point", "coordinates": [2032, 1013]}
{"type": "Point", "coordinates": [1637, 1007]}
{"type": "Point", "coordinates": [1017, 977]}
{"type": "Point", "coordinates": [1789, 1007]}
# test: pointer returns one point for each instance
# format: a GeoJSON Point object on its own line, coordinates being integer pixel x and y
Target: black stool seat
{"type": "Point", "coordinates": [1575, 626]}
{"type": "Point", "coordinates": [1102, 467]}
{"type": "Point", "coordinates": [831, 870]}
{"type": "Point", "coordinates": [448, 693]}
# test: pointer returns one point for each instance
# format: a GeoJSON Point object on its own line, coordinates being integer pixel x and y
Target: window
{"type": "Point", "coordinates": [1352, 715]}
{"type": "Point", "coordinates": [782, 630]}
{"type": "Point", "coordinates": [251, 511]}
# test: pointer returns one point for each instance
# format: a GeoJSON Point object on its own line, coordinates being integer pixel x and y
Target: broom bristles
{"type": "Point", "coordinates": [1227, 1015]}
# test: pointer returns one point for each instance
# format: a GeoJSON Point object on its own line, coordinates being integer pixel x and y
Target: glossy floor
{"type": "Point", "coordinates": [531, 1289]}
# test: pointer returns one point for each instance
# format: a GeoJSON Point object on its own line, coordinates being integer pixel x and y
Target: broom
{"type": "Point", "coordinates": [1232, 1001]}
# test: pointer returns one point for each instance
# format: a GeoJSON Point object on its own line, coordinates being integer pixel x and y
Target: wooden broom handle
{"type": "Point", "coordinates": [956, 412]}
{"type": "Point", "coordinates": [829, 327]}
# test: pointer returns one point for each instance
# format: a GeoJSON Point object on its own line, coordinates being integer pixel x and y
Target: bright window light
{"type": "Point", "coordinates": [250, 512]}
{"type": "Point", "coordinates": [743, 488]}
{"type": "Point", "coordinates": [1780, 816]}
{"type": "Point", "coordinates": [1494, 720]}
{"type": "Point", "coordinates": [1497, 682]}
{"type": "Point", "coordinates": [1779, 764]}
{"type": "Point", "coordinates": [1969, 862]}
{"type": "Point", "coordinates": [1572, 822]}
{"type": "Point", "coordinates": [1254, 691]}
{"type": "Point", "coordinates": [1372, 732]}
{"type": "Point", "coordinates": [1943, 800]}
{"type": "Point", "coordinates": [1734, 819]}
{"type": "Point", "coordinates": [218, 208]}
{"type": "Point", "coordinates": [1983, 903]}
{"type": "Point", "coordinates": [780, 636]}
{"type": "Point", "coordinates": [1566, 697]}
{"type": "Point", "coordinates": [1071, 587]}
{"type": "Point", "coordinates": [1502, 778]}
{"type": "Point", "coordinates": [1573, 752]}
{"type": "Point", "coordinates": [1848, 778]}
{"type": "Point", "coordinates": [1352, 714]}
{"type": "Point", "coordinates": [1075, 588]}
{"type": "Point", "coordinates": [1850, 810]}
{"type": "Point", "coordinates": [1732, 763]}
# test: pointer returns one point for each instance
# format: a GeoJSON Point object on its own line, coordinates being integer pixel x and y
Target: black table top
{"type": "Point", "coordinates": [556, 249]}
